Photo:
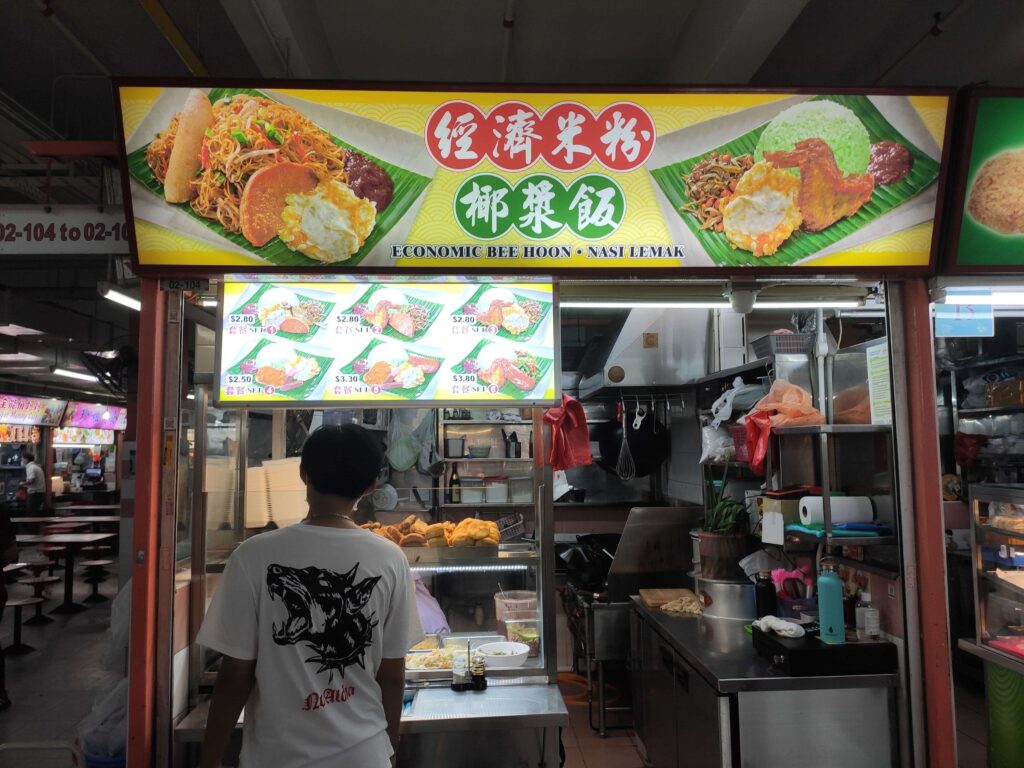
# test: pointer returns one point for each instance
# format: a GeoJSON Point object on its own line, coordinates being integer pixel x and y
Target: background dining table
{"type": "Point", "coordinates": [71, 542]}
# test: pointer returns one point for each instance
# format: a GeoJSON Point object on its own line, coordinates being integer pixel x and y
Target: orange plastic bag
{"type": "Point", "coordinates": [785, 405]}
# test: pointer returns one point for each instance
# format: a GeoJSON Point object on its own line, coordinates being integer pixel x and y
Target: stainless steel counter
{"type": "Point", "coordinates": [723, 654]}
{"type": "Point", "coordinates": [437, 710]}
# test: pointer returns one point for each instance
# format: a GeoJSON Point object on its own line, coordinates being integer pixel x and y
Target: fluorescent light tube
{"type": "Point", "coordinates": [645, 304]}
{"type": "Point", "coordinates": [122, 298]}
{"type": "Point", "coordinates": [996, 298]}
{"type": "Point", "coordinates": [823, 304]}
{"type": "Point", "coordinates": [209, 302]}
{"type": "Point", "coordinates": [74, 375]}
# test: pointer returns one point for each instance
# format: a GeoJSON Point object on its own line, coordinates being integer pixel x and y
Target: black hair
{"type": "Point", "coordinates": [28, 456]}
{"type": "Point", "coordinates": [342, 460]}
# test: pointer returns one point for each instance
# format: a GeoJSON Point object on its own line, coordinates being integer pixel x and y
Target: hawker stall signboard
{"type": "Point", "coordinates": [989, 233]}
{"type": "Point", "coordinates": [95, 416]}
{"type": "Point", "coordinates": [31, 411]}
{"type": "Point", "coordinates": [238, 179]}
{"type": "Point", "coordinates": [400, 342]}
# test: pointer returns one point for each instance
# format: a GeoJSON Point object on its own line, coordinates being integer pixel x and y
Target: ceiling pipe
{"type": "Point", "coordinates": [508, 21]}
{"type": "Point", "coordinates": [49, 13]}
{"type": "Point", "coordinates": [936, 30]}
{"type": "Point", "coordinates": [172, 35]}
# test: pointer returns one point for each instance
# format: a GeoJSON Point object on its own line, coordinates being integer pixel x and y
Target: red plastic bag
{"type": "Point", "coordinates": [966, 447]}
{"type": "Point", "coordinates": [759, 429]}
{"type": "Point", "coordinates": [785, 405]}
{"type": "Point", "coordinates": [570, 435]}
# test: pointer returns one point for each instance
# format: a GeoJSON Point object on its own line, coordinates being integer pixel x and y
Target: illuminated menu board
{"type": "Point", "coordinates": [65, 436]}
{"type": "Point", "coordinates": [95, 416]}
{"type": "Point", "coordinates": [387, 342]}
{"type": "Point", "coordinates": [31, 411]}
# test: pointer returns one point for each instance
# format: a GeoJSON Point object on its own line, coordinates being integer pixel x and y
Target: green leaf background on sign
{"type": "Point", "coordinates": [407, 187]}
{"type": "Point", "coordinates": [803, 244]}
{"type": "Point", "coordinates": [302, 392]}
{"type": "Point", "coordinates": [254, 299]}
{"type": "Point", "coordinates": [998, 127]}
{"type": "Point", "coordinates": [526, 335]}
{"type": "Point", "coordinates": [433, 311]}
{"type": "Point", "coordinates": [508, 390]}
{"type": "Point", "coordinates": [413, 393]}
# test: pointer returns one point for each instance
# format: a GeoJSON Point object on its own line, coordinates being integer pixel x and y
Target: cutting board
{"type": "Point", "coordinates": [655, 598]}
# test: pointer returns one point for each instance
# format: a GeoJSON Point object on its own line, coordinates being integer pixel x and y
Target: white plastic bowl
{"type": "Point", "coordinates": [504, 654]}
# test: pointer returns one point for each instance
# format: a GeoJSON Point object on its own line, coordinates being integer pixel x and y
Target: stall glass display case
{"type": "Point", "coordinates": [997, 540]}
{"type": "Point", "coordinates": [468, 595]}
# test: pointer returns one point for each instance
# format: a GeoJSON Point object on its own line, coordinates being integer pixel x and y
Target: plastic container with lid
{"type": "Point", "coordinates": [496, 489]}
{"type": "Point", "coordinates": [472, 490]}
{"type": "Point", "coordinates": [521, 489]}
{"type": "Point", "coordinates": [513, 600]}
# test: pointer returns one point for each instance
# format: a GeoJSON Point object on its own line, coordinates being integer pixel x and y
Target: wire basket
{"type": "Point", "coordinates": [739, 440]}
{"type": "Point", "coordinates": [783, 344]}
{"type": "Point", "coordinates": [511, 527]}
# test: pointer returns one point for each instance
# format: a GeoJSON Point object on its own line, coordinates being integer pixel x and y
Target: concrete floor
{"type": "Point", "coordinates": [53, 688]}
{"type": "Point", "coordinates": [971, 726]}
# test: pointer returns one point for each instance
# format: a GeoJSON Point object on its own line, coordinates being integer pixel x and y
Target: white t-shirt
{"type": "Point", "coordinates": [317, 608]}
{"type": "Point", "coordinates": [35, 478]}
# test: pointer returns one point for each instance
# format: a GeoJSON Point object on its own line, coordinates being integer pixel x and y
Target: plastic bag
{"type": "Point", "coordinates": [403, 447]}
{"type": "Point", "coordinates": [792, 406]}
{"type": "Point", "coordinates": [716, 445]}
{"type": "Point", "coordinates": [852, 406]}
{"type": "Point", "coordinates": [115, 657]}
{"type": "Point", "coordinates": [570, 435]}
{"type": "Point", "coordinates": [738, 393]}
{"type": "Point", "coordinates": [104, 731]}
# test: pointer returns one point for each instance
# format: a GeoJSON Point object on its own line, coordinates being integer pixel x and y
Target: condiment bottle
{"type": "Point", "coordinates": [459, 682]}
{"type": "Point", "coordinates": [868, 624]}
{"type": "Point", "coordinates": [830, 605]}
{"type": "Point", "coordinates": [455, 486]}
{"type": "Point", "coordinates": [764, 594]}
{"type": "Point", "coordinates": [478, 672]}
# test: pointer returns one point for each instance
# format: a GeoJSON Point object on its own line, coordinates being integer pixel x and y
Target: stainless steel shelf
{"type": "Point", "coordinates": [476, 557]}
{"type": "Point", "coordinates": [729, 373]}
{"type": "Point", "coordinates": [834, 429]}
{"type": "Point", "coordinates": [487, 422]}
{"type": "Point", "coordinates": [1001, 658]}
{"type": "Point", "coordinates": [990, 410]}
{"type": "Point", "coordinates": [866, 567]}
{"type": "Point", "coordinates": [843, 541]}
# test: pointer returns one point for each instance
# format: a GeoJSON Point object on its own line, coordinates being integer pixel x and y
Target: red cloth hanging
{"type": "Point", "coordinates": [570, 435]}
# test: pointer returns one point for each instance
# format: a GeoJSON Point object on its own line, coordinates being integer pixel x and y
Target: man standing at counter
{"type": "Point", "coordinates": [34, 484]}
{"type": "Point", "coordinates": [313, 621]}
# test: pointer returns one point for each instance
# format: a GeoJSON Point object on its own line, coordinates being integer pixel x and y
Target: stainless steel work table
{"type": "Point", "coordinates": [466, 723]}
{"type": "Point", "coordinates": [700, 689]}
{"type": "Point", "coordinates": [723, 653]}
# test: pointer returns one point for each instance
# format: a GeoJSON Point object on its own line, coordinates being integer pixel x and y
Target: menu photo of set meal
{"type": "Point", "coordinates": [798, 179]}
{"type": "Point", "coordinates": [271, 177]}
{"type": "Point", "coordinates": [347, 342]}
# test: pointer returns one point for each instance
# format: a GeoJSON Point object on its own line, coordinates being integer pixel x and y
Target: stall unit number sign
{"type": "Point", "coordinates": [26, 229]}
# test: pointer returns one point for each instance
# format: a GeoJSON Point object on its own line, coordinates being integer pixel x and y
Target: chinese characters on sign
{"type": "Point", "coordinates": [514, 135]}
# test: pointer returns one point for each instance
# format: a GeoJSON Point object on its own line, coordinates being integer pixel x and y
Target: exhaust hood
{"type": "Point", "coordinates": [653, 348]}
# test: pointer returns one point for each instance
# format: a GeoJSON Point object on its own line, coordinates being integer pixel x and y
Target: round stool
{"type": "Point", "coordinates": [95, 574]}
{"type": "Point", "coordinates": [18, 648]}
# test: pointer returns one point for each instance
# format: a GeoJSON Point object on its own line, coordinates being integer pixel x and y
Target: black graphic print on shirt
{"type": "Point", "coordinates": [325, 613]}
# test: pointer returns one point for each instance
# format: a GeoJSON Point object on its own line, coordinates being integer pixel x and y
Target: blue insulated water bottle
{"type": "Point", "coordinates": [830, 605]}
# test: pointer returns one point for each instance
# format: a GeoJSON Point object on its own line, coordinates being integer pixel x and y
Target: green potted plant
{"type": "Point", "coordinates": [724, 537]}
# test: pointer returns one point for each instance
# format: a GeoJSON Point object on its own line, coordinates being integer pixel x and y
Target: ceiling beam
{"type": "Point", "coordinates": [285, 39]}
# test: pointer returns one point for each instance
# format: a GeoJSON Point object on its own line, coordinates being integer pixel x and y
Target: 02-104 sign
{"type": "Point", "coordinates": [38, 229]}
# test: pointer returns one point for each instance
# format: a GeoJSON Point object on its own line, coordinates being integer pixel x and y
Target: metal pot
{"type": "Point", "coordinates": [727, 599]}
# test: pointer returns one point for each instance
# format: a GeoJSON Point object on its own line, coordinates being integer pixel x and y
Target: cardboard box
{"type": "Point", "coordinates": [775, 514]}
{"type": "Point", "coordinates": [1006, 393]}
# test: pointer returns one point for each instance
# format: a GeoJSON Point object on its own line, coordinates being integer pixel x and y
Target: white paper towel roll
{"type": "Point", "coordinates": [845, 509]}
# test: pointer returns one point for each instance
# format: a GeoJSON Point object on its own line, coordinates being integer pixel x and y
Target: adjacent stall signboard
{"type": "Point", "coordinates": [16, 433]}
{"type": "Point", "coordinates": [335, 343]}
{"type": "Point", "coordinates": [95, 416]}
{"type": "Point", "coordinates": [31, 411]}
{"type": "Point", "coordinates": [988, 233]}
{"type": "Point", "coordinates": [239, 179]}
{"type": "Point", "coordinates": [66, 436]}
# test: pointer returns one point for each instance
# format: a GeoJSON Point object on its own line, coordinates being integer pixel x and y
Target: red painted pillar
{"type": "Point", "coordinates": [141, 654]}
{"type": "Point", "coordinates": [928, 529]}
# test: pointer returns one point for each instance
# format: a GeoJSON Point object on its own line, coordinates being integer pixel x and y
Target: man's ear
{"type": "Point", "coordinates": [303, 476]}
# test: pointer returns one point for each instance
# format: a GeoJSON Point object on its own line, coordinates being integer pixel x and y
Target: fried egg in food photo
{"type": "Point", "coordinates": [763, 212]}
{"type": "Point", "coordinates": [329, 224]}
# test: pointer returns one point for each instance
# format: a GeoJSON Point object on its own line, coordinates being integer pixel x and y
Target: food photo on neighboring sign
{"type": "Point", "coordinates": [371, 180]}
{"type": "Point", "coordinates": [67, 436]}
{"type": "Point", "coordinates": [991, 225]}
{"type": "Point", "coordinates": [310, 342]}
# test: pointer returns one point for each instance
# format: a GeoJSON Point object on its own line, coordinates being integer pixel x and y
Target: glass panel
{"type": "Point", "coordinates": [221, 486]}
